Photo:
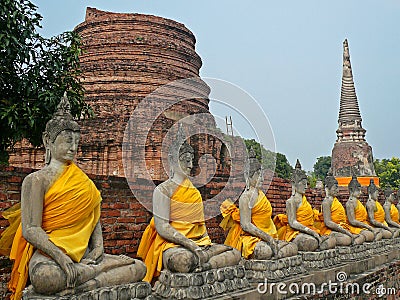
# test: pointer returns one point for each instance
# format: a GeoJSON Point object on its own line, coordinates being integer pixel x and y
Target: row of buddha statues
{"type": "Point", "coordinates": [55, 236]}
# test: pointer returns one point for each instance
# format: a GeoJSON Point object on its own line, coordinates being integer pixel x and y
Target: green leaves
{"type": "Point", "coordinates": [34, 73]}
{"type": "Point", "coordinates": [388, 171]}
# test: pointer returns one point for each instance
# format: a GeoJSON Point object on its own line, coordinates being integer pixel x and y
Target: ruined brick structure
{"type": "Point", "coordinates": [351, 154]}
{"type": "Point", "coordinates": [126, 57]}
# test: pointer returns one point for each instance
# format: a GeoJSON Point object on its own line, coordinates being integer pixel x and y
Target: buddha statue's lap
{"type": "Point", "coordinates": [250, 227]}
{"type": "Point", "coordinates": [56, 233]}
{"type": "Point", "coordinates": [298, 225]}
{"type": "Point", "coordinates": [176, 238]}
{"type": "Point", "coordinates": [391, 211]}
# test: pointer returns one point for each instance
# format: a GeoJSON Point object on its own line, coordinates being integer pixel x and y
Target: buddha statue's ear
{"type": "Point", "coordinates": [46, 143]}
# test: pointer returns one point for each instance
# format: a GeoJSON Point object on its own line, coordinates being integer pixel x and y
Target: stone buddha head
{"type": "Point", "coordinates": [62, 133]}
{"type": "Point", "coordinates": [373, 190]}
{"type": "Point", "coordinates": [180, 155]}
{"type": "Point", "coordinates": [331, 185]}
{"type": "Point", "coordinates": [298, 180]}
{"type": "Point", "coordinates": [354, 187]}
{"type": "Point", "coordinates": [253, 173]}
{"type": "Point", "coordinates": [389, 195]}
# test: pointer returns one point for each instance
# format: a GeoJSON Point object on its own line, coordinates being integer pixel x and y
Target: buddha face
{"type": "Point", "coordinates": [375, 195]}
{"type": "Point", "coordinates": [186, 162]}
{"type": "Point", "coordinates": [357, 192]}
{"type": "Point", "coordinates": [301, 186]}
{"type": "Point", "coordinates": [334, 190]}
{"type": "Point", "coordinates": [65, 146]}
{"type": "Point", "coordinates": [257, 179]}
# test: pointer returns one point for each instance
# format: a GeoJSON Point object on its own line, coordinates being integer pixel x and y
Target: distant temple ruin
{"type": "Point", "coordinates": [351, 154]}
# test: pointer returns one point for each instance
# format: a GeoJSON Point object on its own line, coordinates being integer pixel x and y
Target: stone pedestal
{"type": "Point", "coordinates": [212, 284]}
{"type": "Point", "coordinates": [273, 270]}
{"type": "Point", "coordinates": [131, 291]}
{"type": "Point", "coordinates": [321, 259]}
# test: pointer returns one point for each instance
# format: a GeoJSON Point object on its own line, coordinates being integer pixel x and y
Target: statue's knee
{"type": "Point", "coordinates": [369, 236]}
{"type": "Point", "coordinates": [47, 278]}
{"type": "Point", "coordinates": [287, 249]}
{"type": "Point", "coordinates": [262, 251]}
{"type": "Point", "coordinates": [343, 240]}
{"type": "Point", "coordinates": [386, 234]}
{"type": "Point", "coordinates": [306, 243]}
{"type": "Point", "coordinates": [139, 269]}
{"type": "Point", "coordinates": [181, 262]}
{"type": "Point", "coordinates": [236, 255]}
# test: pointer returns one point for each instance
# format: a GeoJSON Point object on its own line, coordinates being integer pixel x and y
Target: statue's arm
{"type": "Point", "coordinates": [96, 248]}
{"type": "Point", "coordinates": [32, 195]}
{"type": "Point", "coordinates": [245, 220]}
{"type": "Point", "coordinates": [371, 206]}
{"type": "Point", "coordinates": [291, 210]}
{"type": "Point", "coordinates": [327, 212]}
{"type": "Point", "coordinates": [388, 218]}
{"type": "Point", "coordinates": [350, 207]}
{"type": "Point", "coordinates": [161, 212]}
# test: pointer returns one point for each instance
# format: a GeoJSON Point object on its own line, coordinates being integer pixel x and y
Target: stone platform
{"type": "Point", "coordinates": [321, 259]}
{"type": "Point", "coordinates": [213, 284]}
{"type": "Point", "coordinates": [131, 291]}
{"type": "Point", "coordinates": [273, 270]}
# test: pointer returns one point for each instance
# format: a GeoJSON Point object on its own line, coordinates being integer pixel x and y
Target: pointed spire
{"type": "Point", "coordinates": [349, 111]}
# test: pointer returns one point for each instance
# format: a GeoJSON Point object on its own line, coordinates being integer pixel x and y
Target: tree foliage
{"type": "Point", "coordinates": [34, 74]}
{"type": "Point", "coordinates": [388, 171]}
{"type": "Point", "coordinates": [270, 160]}
{"type": "Point", "coordinates": [321, 167]}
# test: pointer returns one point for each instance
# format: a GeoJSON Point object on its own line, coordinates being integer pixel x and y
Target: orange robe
{"type": "Point", "coordinates": [394, 213]}
{"type": "Point", "coordinates": [379, 214]}
{"type": "Point", "coordinates": [304, 215]}
{"type": "Point", "coordinates": [260, 216]}
{"type": "Point", "coordinates": [186, 216]}
{"type": "Point", "coordinates": [338, 215]}
{"type": "Point", "coordinates": [71, 210]}
{"type": "Point", "coordinates": [360, 214]}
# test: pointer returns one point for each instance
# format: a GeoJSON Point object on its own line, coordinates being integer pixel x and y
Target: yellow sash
{"type": "Point", "coordinates": [304, 215]}
{"type": "Point", "coordinates": [71, 210]}
{"type": "Point", "coordinates": [379, 214]}
{"type": "Point", "coordinates": [260, 216]}
{"type": "Point", "coordinates": [186, 216]}
{"type": "Point", "coordinates": [338, 215]}
{"type": "Point", "coordinates": [394, 213]}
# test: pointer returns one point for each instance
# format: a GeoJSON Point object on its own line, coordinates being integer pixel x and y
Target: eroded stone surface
{"type": "Point", "coordinates": [201, 285]}
{"type": "Point", "coordinates": [139, 290]}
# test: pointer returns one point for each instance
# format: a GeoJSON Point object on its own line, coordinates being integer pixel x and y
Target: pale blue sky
{"type": "Point", "coordinates": [288, 56]}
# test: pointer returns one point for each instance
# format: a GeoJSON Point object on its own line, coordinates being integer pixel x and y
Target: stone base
{"type": "Point", "coordinates": [273, 270]}
{"type": "Point", "coordinates": [321, 259]}
{"type": "Point", "coordinates": [131, 291]}
{"type": "Point", "coordinates": [212, 284]}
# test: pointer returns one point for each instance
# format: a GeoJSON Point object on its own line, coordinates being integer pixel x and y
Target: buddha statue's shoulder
{"type": "Point", "coordinates": [167, 188]}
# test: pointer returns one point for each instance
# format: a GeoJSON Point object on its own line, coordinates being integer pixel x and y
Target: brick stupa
{"type": "Point", "coordinates": [126, 57]}
{"type": "Point", "coordinates": [351, 154]}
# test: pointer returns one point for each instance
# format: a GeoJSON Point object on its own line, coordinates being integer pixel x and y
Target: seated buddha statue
{"type": "Point", "coordinates": [56, 233]}
{"type": "Point", "coordinates": [357, 214]}
{"type": "Point", "coordinates": [298, 225]}
{"type": "Point", "coordinates": [376, 213]}
{"type": "Point", "coordinates": [334, 220]}
{"type": "Point", "coordinates": [251, 229]}
{"type": "Point", "coordinates": [391, 211]}
{"type": "Point", "coordinates": [176, 238]}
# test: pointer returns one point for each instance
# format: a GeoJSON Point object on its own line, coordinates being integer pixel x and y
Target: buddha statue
{"type": "Point", "coordinates": [398, 201]}
{"type": "Point", "coordinates": [298, 225]}
{"type": "Point", "coordinates": [357, 214]}
{"type": "Point", "coordinates": [391, 211]}
{"type": "Point", "coordinates": [334, 220]}
{"type": "Point", "coordinates": [376, 213]}
{"type": "Point", "coordinates": [176, 238]}
{"type": "Point", "coordinates": [251, 229]}
{"type": "Point", "coordinates": [57, 238]}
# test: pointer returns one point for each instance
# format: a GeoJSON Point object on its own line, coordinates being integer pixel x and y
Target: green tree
{"type": "Point", "coordinates": [388, 171]}
{"type": "Point", "coordinates": [270, 160]}
{"type": "Point", "coordinates": [321, 167]}
{"type": "Point", "coordinates": [34, 74]}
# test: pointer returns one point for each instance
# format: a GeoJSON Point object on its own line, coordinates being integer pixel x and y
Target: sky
{"type": "Point", "coordinates": [287, 55]}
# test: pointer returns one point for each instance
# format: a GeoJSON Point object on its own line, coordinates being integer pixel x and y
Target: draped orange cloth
{"type": "Point", "coordinates": [71, 210]}
{"type": "Point", "coordinates": [360, 214]}
{"type": "Point", "coordinates": [260, 216]}
{"type": "Point", "coordinates": [394, 213]}
{"type": "Point", "coordinates": [379, 214]}
{"type": "Point", "coordinates": [304, 215]}
{"type": "Point", "coordinates": [186, 216]}
{"type": "Point", "coordinates": [338, 215]}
